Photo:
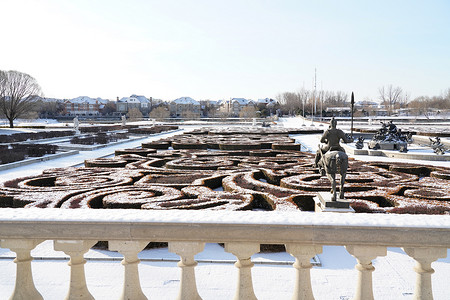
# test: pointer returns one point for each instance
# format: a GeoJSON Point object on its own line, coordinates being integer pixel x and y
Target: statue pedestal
{"type": "Point", "coordinates": [325, 204]}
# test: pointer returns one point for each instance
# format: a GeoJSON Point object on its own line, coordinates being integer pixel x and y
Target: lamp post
{"type": "Point", "coordinates": [352, 102]}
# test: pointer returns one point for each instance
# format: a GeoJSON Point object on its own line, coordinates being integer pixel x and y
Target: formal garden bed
{"type": "Point", "coordinates": [18, 152]}
{"type": "Point", "coordinates": [25, 136]}
{"type": "Point", "coordinates": [245, 178]}
{"type": "Point", "coordinates": [105, 128]}
{"type": "Point", "coordinates": [152, 129]}
{"type": "Point", "coordinates": [99, 138]}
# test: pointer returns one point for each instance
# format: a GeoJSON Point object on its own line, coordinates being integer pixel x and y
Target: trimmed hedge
{"type": "Point", "coordinates": [24, 136]}
{"type": "Point", "coordinates": [19, 152]}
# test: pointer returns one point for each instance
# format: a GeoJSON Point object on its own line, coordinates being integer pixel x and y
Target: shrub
{"type": "Point", "coordinates": [421, 209]}
{"type": "Point", "coordinates": [9, 156]}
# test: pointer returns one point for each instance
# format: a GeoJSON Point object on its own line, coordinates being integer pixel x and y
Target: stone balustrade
{"type": "Point", "coordinates": [365, 236]}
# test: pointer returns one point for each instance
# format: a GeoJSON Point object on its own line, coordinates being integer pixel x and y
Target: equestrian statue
{"type": "Point", "coordinates": [331, 158]}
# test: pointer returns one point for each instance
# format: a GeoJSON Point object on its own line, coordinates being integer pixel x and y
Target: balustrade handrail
{"type": "Point", "coordinates": [227, 226]}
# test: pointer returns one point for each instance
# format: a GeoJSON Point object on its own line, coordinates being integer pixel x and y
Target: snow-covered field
{"type": "Point", "coordinates": [273, 276]}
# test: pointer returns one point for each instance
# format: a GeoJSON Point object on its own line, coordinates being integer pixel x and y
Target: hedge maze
{"type": "Point", "coordinates": [232, 169]}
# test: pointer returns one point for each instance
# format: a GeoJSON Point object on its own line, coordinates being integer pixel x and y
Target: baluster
{"type": "Point", "coordinates": [243, 252]}
{"type": "Point", "coordinates": [76, 250]}
{"type": "Point", "coordinates": [187, 251]}
{"type": "Point", "coordinates": [424, 257]}
{"type": "Point", "coordinates": [24, 287]}
{"type": "Point", "coordinates": [364, 255]}
{"type": "Point", "coordinates": [130, 250]}
{"type": "Point", "coordinates": [303, 255]}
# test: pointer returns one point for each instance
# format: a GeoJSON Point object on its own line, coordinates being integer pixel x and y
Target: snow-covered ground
{"type": "Point", "coordinates": [273, 275]}
{"type": "Point", "coordinates": [311, 142]}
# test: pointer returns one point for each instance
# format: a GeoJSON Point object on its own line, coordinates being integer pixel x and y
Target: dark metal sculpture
{"type": "Point", "coordinates": [359, 143]}
{"type": "Point", "coordinates": [352, 103]}
{"type": "Point", "coordinates": [437, 146]}
{"type": "Point", "coordinates": [331, 158]}
{"type": "Point", "coordinates": [389, 137]}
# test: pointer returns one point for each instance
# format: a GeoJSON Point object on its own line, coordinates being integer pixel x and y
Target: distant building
{"type": "Point", "coordinates": [340, 111]}
{"type": "Point", "coordinates": [134, 101]}
{"type": "Point", "coordinates": [371, 108]}
{"type": "Point", "coordinates": [209, 108]}
{"type": "Point", "coordinates": [145, 103]}
{"type": "Point", "coordinates": [84, 106]}
{"type": "Point", "coordinates": [268, 102]}
{"type": "Point", "coordinates": [185, 106]}
{"type": "Point", "coordinates": [268, 107]}
{"type": "Point", "coordinates": [362, 108]}
{"type": "Point", "coordinates": [234, 106]}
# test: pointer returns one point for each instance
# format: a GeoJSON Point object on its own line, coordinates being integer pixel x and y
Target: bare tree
{"type": "Point", "coordinates": [303, 96]}
{"type": "Point", "coordinates": [248, 112]}
{"type": "Point", "coordinates": [134, 114]}
{"type": "Point", "coordinates": [390, 96]}
{"type": "Point", "coordinates": [426, 106]}
{"type": "Point", "coordinates": [160, 112]}
{"type": "Point", "coordinates": [109, 108]}
{"type": "Point", "coordinates": [18, 94]}
{"type": "Point", "coordinates": [420, 105]}
{"type": "Point", "coordinates": [289, 101]}
{"type": "Point", "coordinates": [341, 98]}
{"type": "Point", "coordinates": [446, 95]}
{"type": "Point", "coordinates": [190, 114]}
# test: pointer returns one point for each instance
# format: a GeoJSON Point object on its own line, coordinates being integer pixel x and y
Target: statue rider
{"type": "Point", "coordinates": [330, 141]}
{"type": "Point", "coordinates": [392, 128]}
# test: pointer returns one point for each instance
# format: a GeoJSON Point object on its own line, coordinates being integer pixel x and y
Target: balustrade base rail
{"type": "Point", "coordinates": [315, 261]}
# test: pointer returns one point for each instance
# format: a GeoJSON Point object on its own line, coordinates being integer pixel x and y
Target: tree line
{"type": "Point", "coordinates": [309, 102]}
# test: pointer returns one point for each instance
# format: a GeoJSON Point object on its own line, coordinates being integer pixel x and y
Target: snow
{"type": "Point", "coordinates": [311, 142]}
{"type": "Point", "coordinates": [86, 99]}
{"type": "Point", "coordinates": [232, 217]}
{"type": "Point", "coordinates": [273, 276]}
{"type": "Point", "coordinates": [186, 100]}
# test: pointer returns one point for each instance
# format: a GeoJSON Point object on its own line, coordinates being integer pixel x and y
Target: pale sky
{"type": "Point", "coordinates": [211, 49]}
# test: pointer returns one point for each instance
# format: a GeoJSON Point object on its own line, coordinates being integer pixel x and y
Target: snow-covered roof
{"type": "Point", "coordinates": [339, 108]}
{"type": "Point", "coordinates": [214, 102]}
{"type": "Point", "coordinates": [186, 100]}
{"type": "Point", "coordinates": [241, 101]}
{"type": "Point", "coordinates": [366, 102]}
{"type": "Point", "coordinates": [129, 100]}
{"type": "Point", "coordinates": [48, 99]}
{"type": "Point", "coordinates": [267, 101]}
{"type": "Point", "coordinates": [141, 99]}
{"type": "Point", "coordinates": [89, 100]}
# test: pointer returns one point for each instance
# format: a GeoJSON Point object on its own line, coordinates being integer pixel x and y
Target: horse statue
{"type": "Point", "coordinates": [330, 164]}
{"type": "Point", "coordinates": [331, 158]}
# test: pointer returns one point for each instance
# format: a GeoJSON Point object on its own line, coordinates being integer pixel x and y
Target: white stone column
{"type": "Point", "coordinates": [424, 257]}
{"type": "Point", "coordinates": [303, 255]}
{"type": "Point", "coordinates": [130, 250]}
{"type": "Point", "coordinates": [24, 288]}
{"type": "Point", "coordinates": [364, 255]}
{"type": "Point", "coordinates": [243, 251]}
{"type": "Point", "coordinates": [76, 250]}
{"type": "Point", "coordinates": [187, 251]}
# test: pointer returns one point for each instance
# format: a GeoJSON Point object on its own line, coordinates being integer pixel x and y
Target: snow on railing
{"type": "Point", "coordinates": [365, 236]}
